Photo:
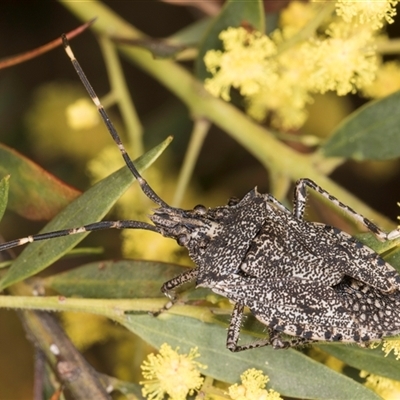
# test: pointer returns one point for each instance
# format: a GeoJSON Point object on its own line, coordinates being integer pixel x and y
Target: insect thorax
{"type": "Point", "coordinates": [217, 238]}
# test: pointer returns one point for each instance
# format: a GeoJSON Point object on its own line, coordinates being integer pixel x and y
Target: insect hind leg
{"type": "Point", "coordinates": [275, 338]}
{"type": "Point", "coordinates": [300, 200]}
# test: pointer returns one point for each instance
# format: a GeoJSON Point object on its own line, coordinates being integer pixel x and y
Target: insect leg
{"type": "Point", "coordinates": [168, 288]}
{"type": "Point", "coordinates": [277, 341]}
{"type": "Point", "coordinates": [300, 198]}
{"type": "Point", "coordinates": [271, 199]}
{"type": "Point", "coordinates": [234, 332]}
{"type": "Point", "coordinates": [274, 337]}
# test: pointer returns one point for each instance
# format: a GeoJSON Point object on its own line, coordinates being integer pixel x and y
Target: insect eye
{"type": "Point", "coordinates": [233, 201]}
{"type": "Point", "coordinates": [200, 209]}
{"type": "Point", "coordinates": [183, 240]}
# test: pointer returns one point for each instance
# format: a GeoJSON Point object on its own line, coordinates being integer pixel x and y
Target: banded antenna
{"type": "Point", "coordinates": [146, 188]}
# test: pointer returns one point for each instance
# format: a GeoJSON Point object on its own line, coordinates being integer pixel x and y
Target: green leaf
{"type": "Point", "coordinates": [34, 193]}
{"type": "Point", "coordinates": [190, 34]}
{"type": "Point", "coordinates": [159, 48]}
{"type": "Point", "coordinates": [371, 360]}
{"type": "Point", "coordinates": [370, 133]}
{"type": "Point", "coordinates": [4, 187]}
{"type": "Point", "coordinates": [90, 207]}
{"type": "Point", "coordinates": [374, 243]}
{"type": "Point", "coordinates": [291, 373]}
{"type": "Point", "coordinates": [114, 279]}
{"type": "Point", "coordinates": [394, 258]}
{"type": "Point", "coordinates": [234, 13]}
{"type": "Point", "coordinates": [389, 249]}
{"type": "Point", "coordinates": [173, 45]}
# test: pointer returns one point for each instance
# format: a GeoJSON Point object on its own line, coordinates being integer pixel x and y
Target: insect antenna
{"type": "Point", "coordinates": [96, 226]}
{"type": "Point", "coordinates": [146, 188]}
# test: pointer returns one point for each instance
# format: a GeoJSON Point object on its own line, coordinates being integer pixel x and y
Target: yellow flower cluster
{"type": "Point", "coordinates": [82, 114]}
{"type": "Point", "coordinates": [387, 388]}
{"type": "Point", "coordinates": [171, 373]}
{"type": "Point", "coordinates": [177, 376]}
{"type": "Point", "coordinates": [278, 81]}
{"type": "Point", "coordinates": [391, 345]}
{"type": "Point", "coordinates": [387, 81]}
{"type": "Point", "coordinates": [345, 61]}
{"type": "Point", "coordinates": [371, 12]}
{"type": "Point", "coordinates": [59, 123]}
{"type": "Point", "coordinates": [245, 63]}
{"type": "Point", "coordinates": [295, 16]}
{"type": "Point", "coordinates": [86, 329]}
{"type": "Point", "coordinates": [253, 387]}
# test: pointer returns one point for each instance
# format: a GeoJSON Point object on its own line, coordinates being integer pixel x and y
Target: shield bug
{"type": "Point", "coordinates": [299, 278]}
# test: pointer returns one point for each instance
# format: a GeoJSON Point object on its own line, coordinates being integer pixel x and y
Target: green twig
{"type": "Point", "coordinates": [391, 46]}
{"type": "Point", "coordinates": [116, 309]}
{"type": "Point", "coordinates": [200, 130]}
{"type": "Point", "coordinates": [112, 308]}
{"type": "Point", "coordinates": [122, 96]}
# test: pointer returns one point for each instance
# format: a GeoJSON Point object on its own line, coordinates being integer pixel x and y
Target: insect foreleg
{"type": "Point", "coordinates": [168, 288]}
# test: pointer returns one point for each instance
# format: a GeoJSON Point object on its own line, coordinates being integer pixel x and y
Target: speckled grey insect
{"type": "Point", "coordinates": [300, 278]}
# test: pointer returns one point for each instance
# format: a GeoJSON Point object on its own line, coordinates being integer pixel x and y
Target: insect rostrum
{"type": "Point", "coordinates": [303, 279]}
